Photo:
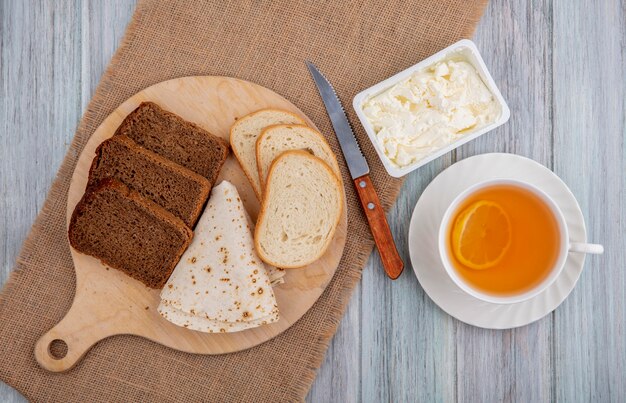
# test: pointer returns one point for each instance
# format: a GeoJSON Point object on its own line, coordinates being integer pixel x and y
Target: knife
{"type": "Point", "coordinates": [359, 170]}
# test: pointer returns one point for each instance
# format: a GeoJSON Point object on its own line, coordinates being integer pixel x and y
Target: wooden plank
{"type": "Point", "coordinates": [40, 78]}
{"type": "Point", "coordinates": [103, 26]}
{"type": "Point", "coordinates": [339, 379]}
{"type": "Point", "coordinates": [421, 347]}
{"type": "Point", "coordinates": [38, 110]}
{"type": "Point", "coordinates": [515, 41]}
{"type": "Point", "coordinates": [375, 362]}
{"type": "Point", "coordinates": [590, 155]}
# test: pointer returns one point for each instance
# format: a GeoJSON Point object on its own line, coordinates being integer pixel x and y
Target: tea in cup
{"type": "Point", "coordinates": [505, 241]}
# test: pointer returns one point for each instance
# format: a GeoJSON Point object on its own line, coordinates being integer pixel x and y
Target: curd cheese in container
{"type": "Point", "coordinates": [431, 108]}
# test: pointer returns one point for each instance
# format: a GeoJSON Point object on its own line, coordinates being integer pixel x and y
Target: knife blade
{"type": "Point", "coordinates": [351, 150]}
{"type": "Point", "coordinates": [359, 171]}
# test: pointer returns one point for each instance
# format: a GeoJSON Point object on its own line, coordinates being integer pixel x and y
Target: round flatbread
{"type": "Point", "coordinates": [220, 284]}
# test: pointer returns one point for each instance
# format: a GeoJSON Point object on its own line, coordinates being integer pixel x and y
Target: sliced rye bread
{"type": "Point", "coordinates": [176, 189]}
{"type": "Point", "coordinates": [301, 210]}
{"type": "Point", "coordinates": [274, 140]}
{"type": "Point", "coordinates": [244, 134]}
{"type": "Point", "coordinates": [128, 232]}
{"type": "Point", "coordinates": [170, 136]}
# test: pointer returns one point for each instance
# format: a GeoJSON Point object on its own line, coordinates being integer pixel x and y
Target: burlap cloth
{"type": "Point", "coordinates": [356, 44]}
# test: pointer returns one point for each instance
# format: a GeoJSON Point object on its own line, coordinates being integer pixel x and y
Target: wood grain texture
{"type": "Point", "coordinates": [40, 71]}
{"type": "Point", "coordinates": [589, 338]}
{"type": "Point", "coordinates": [385, 245]}
{"type": "Point", "coordinates": [561, 67]}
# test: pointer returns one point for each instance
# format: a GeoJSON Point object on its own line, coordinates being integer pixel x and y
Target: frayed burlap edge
{"type": "Point", "coordinates": [58, 194]}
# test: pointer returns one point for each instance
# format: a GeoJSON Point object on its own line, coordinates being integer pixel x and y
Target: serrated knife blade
{"type": "Point", "coordinates": [359, 170]}
{"type": "Point", "coordinates": [349, 146]}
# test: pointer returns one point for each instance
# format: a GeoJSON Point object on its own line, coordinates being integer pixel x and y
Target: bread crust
{"type": "Point", "coordinates": [204, 186]}
{"type": "Point", "coordinates": [237, 152]}
{"type": "Point", "coordinates": [220, 146]}
{"type": "Point", "coordinates": [157, 210]}
{"type": "Point", "coordinates": [264, 207]}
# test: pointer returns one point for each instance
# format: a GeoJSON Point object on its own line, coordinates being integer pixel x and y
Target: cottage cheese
{"type": "Point", "coordinates": [430, 110]}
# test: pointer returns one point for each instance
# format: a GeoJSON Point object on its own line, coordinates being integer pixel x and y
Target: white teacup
{"type": "Point", "coordinates": [566, 246]}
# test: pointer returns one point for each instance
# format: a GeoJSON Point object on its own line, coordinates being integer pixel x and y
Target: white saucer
{"type": "Point", "coordinates": [424, 228]}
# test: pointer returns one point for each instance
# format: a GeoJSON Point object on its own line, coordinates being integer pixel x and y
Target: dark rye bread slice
{"type": "Point", "coordinates": [174, 138]}
{"type": "Point", "coordinates": [128, 232]}
{"type": "Point", "coordinates": [176, 189]}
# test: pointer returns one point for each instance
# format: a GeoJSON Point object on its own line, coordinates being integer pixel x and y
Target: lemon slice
{"type": "Point", "coordinates": [481, 235]}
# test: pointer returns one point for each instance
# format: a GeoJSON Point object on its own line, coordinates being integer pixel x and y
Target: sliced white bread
{"type": "Point", "coordinates": [243, 136]}
{"type": "Point", "coordinates": [301, 209]}
{"type": "Point", "coordinates": [275, 140]}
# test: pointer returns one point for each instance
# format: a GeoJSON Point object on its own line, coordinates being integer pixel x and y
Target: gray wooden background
{"type": "Point", "coordinates": [561, 66]}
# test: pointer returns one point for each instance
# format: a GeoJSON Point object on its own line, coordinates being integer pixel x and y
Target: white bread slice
{"type": "Point", "coordinates": [244, 133]}
{"type": "Point", "coordinates": [301, 210]}
{"type": "Point", "coordinates": [274, 140]}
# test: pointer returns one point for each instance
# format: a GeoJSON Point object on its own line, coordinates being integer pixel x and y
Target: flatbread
{"type": "Point", "coordinates": [220, 284]}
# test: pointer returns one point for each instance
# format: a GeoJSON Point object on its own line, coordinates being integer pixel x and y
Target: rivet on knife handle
{"type": "Point", "coordinates": [380, 228]}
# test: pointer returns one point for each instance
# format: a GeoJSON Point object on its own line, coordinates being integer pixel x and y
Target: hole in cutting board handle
{"type": "Point", "coordinates": [57, 349]}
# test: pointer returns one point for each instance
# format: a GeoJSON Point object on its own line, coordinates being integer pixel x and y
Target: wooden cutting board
{"type": "Point", "coordinates": [109, 303]}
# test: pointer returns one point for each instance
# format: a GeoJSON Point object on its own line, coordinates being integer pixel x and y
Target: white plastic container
{"type": "Point", "coordinates": [467, 49]}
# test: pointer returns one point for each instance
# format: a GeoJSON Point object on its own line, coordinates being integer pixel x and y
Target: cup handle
{"type": "Point", "coordinates": [592, 248]}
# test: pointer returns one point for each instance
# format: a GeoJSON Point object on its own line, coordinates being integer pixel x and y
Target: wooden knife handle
{"type": "Point", "coordinates": [380, 228]}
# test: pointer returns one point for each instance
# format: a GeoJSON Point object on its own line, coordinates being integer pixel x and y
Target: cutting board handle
{"type": "Point", "coordinates": [79, 330]}
{"type": "Point", "coordinates": [108, 302]}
